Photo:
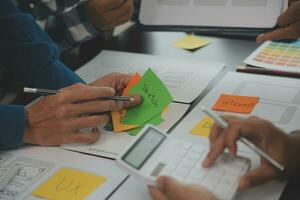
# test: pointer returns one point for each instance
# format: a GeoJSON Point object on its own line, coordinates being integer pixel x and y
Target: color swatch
{"type": "Point", "coordinates": [276, 55]}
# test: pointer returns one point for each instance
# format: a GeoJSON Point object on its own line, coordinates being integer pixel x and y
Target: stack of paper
{"type": "Point", "coordinates": [156, 98]}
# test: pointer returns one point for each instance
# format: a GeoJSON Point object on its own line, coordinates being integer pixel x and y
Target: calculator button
{"type": "Point", "coordinates": [193, 156]}
{"type": "Point", "coordinates": [176, 160]}
{"type": "Point", "coordinates": [186, 146]}
{"type": "Point", "coordinates": [198, 149]}
{"type": "Point", "coordinates": [188, 163]}
{"type": "Point", "coordinates": [170, 168]}
{"type": "Point", "coordinates": [181, 152]}
{"type": "Point", "coordinates": [176, 143]}
{"type": "Point", "coordinates": [182, 171]}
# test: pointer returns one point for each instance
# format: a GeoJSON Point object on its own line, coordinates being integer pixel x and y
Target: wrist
{"type": "Point", "coordinates": [293, 147]}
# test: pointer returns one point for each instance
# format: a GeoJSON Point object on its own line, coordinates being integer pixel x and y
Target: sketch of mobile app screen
{"type": "Point", "coordinates": [173, 2]}
{"type": "Point", "coordinates": [210, 2]}
{"type": "Point", "coordinates": [30, 170]}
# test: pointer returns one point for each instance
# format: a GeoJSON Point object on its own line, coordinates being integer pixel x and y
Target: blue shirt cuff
{"type": "Point", "coordinates": [13, 120]}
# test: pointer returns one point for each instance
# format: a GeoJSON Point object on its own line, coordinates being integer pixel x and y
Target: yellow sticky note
{"type": "Point", "coordinates": [203, 128]}
{"type": "Point", "coordinates": [191, 42]}
{"type": "Point", "coordinates": [69, 184]}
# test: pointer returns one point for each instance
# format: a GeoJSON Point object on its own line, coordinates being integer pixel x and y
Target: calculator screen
{"type": "Point", "coordinates": [143, 148]}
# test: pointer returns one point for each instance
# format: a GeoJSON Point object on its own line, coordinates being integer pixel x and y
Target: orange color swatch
{"type": "Point", "coordinates": [236, 104]}
{"type": "Point", "coordinates": [117, 116]}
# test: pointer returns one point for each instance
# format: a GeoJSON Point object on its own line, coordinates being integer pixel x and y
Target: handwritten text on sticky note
{"type": "Point", "coordinates": [156, 97]}
{"type": "Point", "coordinates": [68, 183]}
{"type": "Point", "coordinates": [203, 128]}
{"type": "Point", "coordinates": [236, 104]}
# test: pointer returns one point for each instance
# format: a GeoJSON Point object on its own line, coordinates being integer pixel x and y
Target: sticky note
{"type": "Point", "coordinates": [68, 183]}
{"type": "Point", "coordinates": [156, 98]}
{"type": "Point", "coordinates": [154, 121]}
{"type": "Point", "coordinates": [191, 42]}
{"type": "Point", "coordinates": [236, 104]}
{"type": "Point", "coordinates": [117, 116]}
{"type": "Point", "coordinates": [203, 128]}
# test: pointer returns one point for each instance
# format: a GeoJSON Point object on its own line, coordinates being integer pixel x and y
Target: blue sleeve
{"type": "Point", "coordinates": [32, 59]}
{"type": "Point", "coordinates": [12, 119]}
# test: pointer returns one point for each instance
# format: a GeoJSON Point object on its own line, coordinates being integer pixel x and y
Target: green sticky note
{"type": "Point", "coordinates": [154, 121]}
{"type": "Point", "coordinates": [155, 95]}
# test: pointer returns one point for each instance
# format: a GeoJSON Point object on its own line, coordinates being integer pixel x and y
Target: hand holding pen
{"type": "Point", "coordinates": [262, 137]}
{"type": "Point", "coordinates": [60, 118]}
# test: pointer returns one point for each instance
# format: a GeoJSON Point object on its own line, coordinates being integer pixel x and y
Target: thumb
{"type": "Point", "coordinates": [279, 34]}
{"type": "Point", "coordinates": [255, 177]}
{"type": "Point", "coordinates": [171, 188]}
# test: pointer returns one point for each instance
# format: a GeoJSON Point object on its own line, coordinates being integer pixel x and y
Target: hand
{"type": "Point", "coordinates": [57, 119]}
{"type": "Point", "coordinates": [107, 14]}
{"type": "Point", "coordinates": [289, 25]}
{"type": "Point", "coordinates": [280, 146]}
{"type": "Point", "coordinates": [168, 189]}
{"type": "Point", "coordinates": [119, 82]}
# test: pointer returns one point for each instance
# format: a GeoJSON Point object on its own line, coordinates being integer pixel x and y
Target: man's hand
{"type": "Point", "coordinates": [57, 119]}
{"type": "Point", "coordinates": [119, 82]}
{"type": "Point", "coordinates": [280, 146]}
{"type": "Point", "coordinates": [107, 14]}
{"type": "Point", "coordinates": [168, 189]}
{"type": "Point", "coordinates": [288, 23]}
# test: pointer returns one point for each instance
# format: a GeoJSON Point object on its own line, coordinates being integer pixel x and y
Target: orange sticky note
{"type": "Point", "coordinates": [236, 104]}
{"type": "Point", "coordinates": [134, 80]}
{"type": "Point", "coordinates": [117, 116]}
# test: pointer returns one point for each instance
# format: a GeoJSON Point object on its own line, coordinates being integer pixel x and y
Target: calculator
{"type": "Point", "coordinates": [154, 153]}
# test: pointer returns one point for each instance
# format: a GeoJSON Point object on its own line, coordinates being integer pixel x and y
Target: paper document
{"type": "Point", "coordinates": [281, 56]}
{"type": "Point", "coordinates": [213, 13]}
{"type": "Point", "coordinates": [41, 167]}
{"type": "Point", "coordinates": [185, 78]}
{"type": "Point", "coordinates": [111, 144]}
{"type": "Point", "coordinates": [279, 102]}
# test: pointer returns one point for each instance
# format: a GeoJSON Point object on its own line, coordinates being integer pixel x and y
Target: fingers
{"type": "Point", "coordinates": [94, 107]}
{"type": "Point", "coordinates": [137, 100]}
{"type": "Point", "coordinates": [289, 32]}
{"type": "Point", "coordinates": [290, 16]}
{"type": "Point", "coordinates": [80, 92]}
{"type": "Point", "coordinates": [214, 133]}
{"type": "Point", "coordinates": [156, 194]}
{"type": "Point", "coordinates": [111, 4]}
{"type": "Point", "coordinates": [215, 151]}
{"type": "Point", "coordinates": [87, 121]}
{"type": "Point", "coordinates": [81, 137]}
{"type": "Point", "coordinates": [171, 188]}
{"type": "Point", "coordinates": [255, 177]}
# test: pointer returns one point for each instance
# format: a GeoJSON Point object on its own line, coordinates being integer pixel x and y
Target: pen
{"type": "Point", "coordinates": [46, 92]}
{"type": "Point", "coordinates": [265, 71]}
{"type": "Point", "coordinates": [68, 9]}
{"type": "Point", "coordinates": [223, 124]}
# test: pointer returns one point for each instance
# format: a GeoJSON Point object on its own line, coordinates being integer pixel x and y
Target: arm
{"type": "Point", "coordinates": [30, 56]}
{"type": "Point", "coordinates": [12, 120]}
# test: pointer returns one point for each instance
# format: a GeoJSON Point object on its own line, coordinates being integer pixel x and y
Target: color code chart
{"type": "Point", "coordinates": [277, 56]}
